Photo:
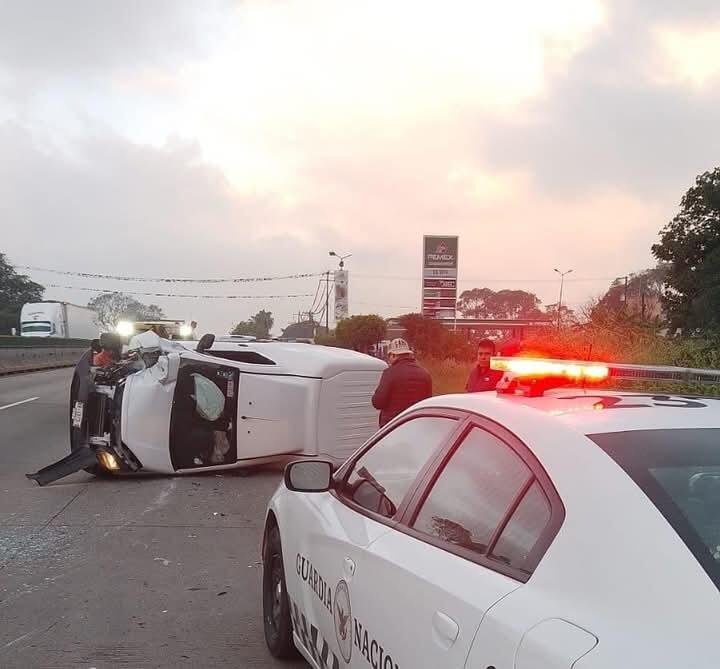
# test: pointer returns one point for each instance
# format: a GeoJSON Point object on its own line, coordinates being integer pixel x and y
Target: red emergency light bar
{"type": "Point", "coordinates": [535, 375]}
{"type": "Point", "coordinates": [533, 368]}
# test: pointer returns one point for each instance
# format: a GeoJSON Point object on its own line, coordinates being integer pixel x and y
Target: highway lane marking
{"type": "Point", "coordinates": [14, 404]}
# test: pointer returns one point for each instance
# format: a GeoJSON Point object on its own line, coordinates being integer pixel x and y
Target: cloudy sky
{"type": "Point", "coordinates": [244, 138]}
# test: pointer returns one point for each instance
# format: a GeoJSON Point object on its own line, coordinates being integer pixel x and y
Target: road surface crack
{"type": "Point", "coordinates": [74, 497]}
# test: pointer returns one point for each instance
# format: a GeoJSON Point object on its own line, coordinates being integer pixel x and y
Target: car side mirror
{"type": "Point", "coordinates": [309, 476]}
{"type": "Point", "coordinates": [205, 343]}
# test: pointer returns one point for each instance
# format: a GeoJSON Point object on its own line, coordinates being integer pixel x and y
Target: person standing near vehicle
{"type": "Point", "coordinates": [402, 384]}
{"type": "Point", "coordinates": [482, 377]}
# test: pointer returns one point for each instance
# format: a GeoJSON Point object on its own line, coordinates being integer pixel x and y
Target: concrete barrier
{"type": "Point", "coordinates": [31, 358]}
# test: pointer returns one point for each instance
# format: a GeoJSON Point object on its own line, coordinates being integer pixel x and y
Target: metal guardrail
{"type": "Point", "coordinates": [27, 354]}
{"type": "Point", "coordinates": [41, 342]}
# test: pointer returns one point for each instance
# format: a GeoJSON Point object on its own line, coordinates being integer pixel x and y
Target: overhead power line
{"type": "Point", "coordinates": [462, 279]}
{"type": "Point", "coordinates": [183, 295]}
{"type": "Point", "coordinates": [316, 303]}
{"type": "Point", "coordinates": [257, 279]}
{"type": "Point", "coordinates": [119, 277]}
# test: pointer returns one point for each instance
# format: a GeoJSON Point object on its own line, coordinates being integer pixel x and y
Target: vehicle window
{"type": "Point", "coordinates": [525, 527]}
{"type": "Point", "coordinates": [679, 471]}
{"type": "Point", "coordinates": [382, 476]}
{"type": "Point", "coordinates": [209, 399]}
{"type": "Point", "coordinates": [250, 357]}
{"type": "Point", "coordinates": [473, 492]}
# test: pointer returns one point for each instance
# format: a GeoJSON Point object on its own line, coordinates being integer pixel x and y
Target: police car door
{"type": "Point", "coordinates": [427, 584]}
{"type": "Point", "coordinates": [333, 533]}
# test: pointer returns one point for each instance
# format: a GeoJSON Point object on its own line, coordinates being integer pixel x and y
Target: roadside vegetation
{"type": "Point", "coordinates": [621, 342]}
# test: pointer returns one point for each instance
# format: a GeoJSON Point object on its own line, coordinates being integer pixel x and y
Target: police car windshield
{"type": "Point", "coordinates": [679, 470]}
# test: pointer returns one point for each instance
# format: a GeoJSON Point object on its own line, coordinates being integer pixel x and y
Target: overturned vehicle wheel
{"type": "Point", "coordinates": [95, 409]}
{"type": "Point", "coordinates": [77, 411]}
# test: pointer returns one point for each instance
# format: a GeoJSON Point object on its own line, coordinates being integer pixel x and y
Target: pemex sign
{"type": "Point", "coordinates": [439, 276]}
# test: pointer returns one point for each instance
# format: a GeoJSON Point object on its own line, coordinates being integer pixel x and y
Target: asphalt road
{"type": "Point", "coordinates": [141, 572]}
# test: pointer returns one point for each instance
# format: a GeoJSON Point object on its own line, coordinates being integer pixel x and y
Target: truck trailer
{"type": "Point", "coordinates": [58, 319]}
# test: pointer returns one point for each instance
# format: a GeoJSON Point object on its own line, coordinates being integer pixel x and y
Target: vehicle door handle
{"type": "Point", "coordinates": [348, 568]}
{"type": "Point", "coordinates": [445, 630]}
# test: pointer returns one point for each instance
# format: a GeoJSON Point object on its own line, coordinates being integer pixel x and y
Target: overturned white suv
{"type": "Point", "coordinates": [169, 407]}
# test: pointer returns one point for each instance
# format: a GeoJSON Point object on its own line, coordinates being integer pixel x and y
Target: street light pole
{"type": "Point", "coordinates": [559, 307]}
{"type": "Point", "coordinates": [341, 258]}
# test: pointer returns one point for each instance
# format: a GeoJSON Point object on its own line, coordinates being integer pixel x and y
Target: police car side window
{"type": "Point", "coordinates": [382, 476]}
{"type": "Point", "coordinates": [524, 529]}
{"type": "Point", "coordinates": [473, 493]}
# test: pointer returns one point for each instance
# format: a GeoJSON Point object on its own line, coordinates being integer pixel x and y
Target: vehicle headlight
{"type": "Point", "coordinates": [108, 461]}
{"type": "Point", "coordinates": [125, 328]}
{"type": "Point", "coordinates": [185, 330]}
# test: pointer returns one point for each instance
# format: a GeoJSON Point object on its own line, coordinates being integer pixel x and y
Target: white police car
{"type": "Point", "coordinates": [532, 528]}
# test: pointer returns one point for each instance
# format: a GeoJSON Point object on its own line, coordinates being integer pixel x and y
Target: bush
{"type": "Point", "coordinates": [627, 343]}
{"type": "Point", "coordinates": [633, 345]}
{"type": "Point", "coordinates": [327, 340]}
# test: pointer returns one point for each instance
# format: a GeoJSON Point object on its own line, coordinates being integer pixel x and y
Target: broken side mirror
{"type": "Point", "coordinates": [205, 343]}
{"type": "Point", "coordinates": [309, 476]}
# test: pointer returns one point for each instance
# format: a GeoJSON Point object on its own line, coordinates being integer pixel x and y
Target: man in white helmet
{"type": "Point", "coordinates": [402, 384]}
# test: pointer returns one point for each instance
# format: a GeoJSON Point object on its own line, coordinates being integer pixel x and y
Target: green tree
{"type": "Point", "coordinates": [327, 340]}
{"type": "Point", "coordinates": [567, 315]}
{"type": "Point", "coordinates": [644, 297]}
{"type": "Point", "coordinates": [117, 306]}
{"type": "Point", "coordinates": [690, 243]}
{"type": "Point", "coordinates": [258, 325]}
{"type": "Point", "coordinates": [430, 338]}
{"type": "Point", "coordinates": [475, 303]}
{"type": "Point", "coordinates": [15, 290]}
{"type": "Point", "coordinates": [486, 303]}
{"type": "Point", "coordinates": [426, 336]}
{"type": "Point", "coordinates": [361, 332]}
{"type": "Point", "coordinates": [264, 322]}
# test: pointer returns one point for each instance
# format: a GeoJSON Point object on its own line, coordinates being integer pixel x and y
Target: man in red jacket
{"type": "Point", "coordinates": [403, 384]}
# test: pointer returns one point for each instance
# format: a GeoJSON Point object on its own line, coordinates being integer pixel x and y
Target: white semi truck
{"type": "Point", "coordinates": [58, 319]}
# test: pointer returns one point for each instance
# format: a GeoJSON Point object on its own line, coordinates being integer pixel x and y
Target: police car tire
{"type": "Point", "coordinates": [278, 634]}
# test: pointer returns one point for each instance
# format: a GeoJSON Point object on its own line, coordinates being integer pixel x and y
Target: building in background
{"type": "Point", "coordinates": [439, 276]}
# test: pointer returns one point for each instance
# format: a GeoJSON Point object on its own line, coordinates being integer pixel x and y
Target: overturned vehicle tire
{"type": "Point", "coordinates": [94, 412]}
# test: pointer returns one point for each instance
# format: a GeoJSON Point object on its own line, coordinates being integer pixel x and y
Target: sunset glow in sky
{"type": "Point", "coordinates": [226, 138]}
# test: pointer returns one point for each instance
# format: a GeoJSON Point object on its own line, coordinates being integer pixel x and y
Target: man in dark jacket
{"type": "Point", "coordinates": [402, 384]}
{"type": "Point", "coordinates": [482, 377]}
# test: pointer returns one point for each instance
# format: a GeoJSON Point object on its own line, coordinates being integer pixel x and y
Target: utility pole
{"type": "Point", "coordinates": [559, 308]}
{"type": "Point", "coordinates": [626, 293]}
{"type": "Point", "coordinates": [327, 302]}
{"type": "Point", "coordinates": [642, 299]}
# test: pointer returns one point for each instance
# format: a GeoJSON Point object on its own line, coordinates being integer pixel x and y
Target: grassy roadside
{"type": "Point", "coordinates": [449, 376]}
{"type": "Point", "coordinates": [626, 344]}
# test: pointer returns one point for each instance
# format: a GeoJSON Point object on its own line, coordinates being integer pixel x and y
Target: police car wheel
{"type": "Point", "coordinates": [276, 605]}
